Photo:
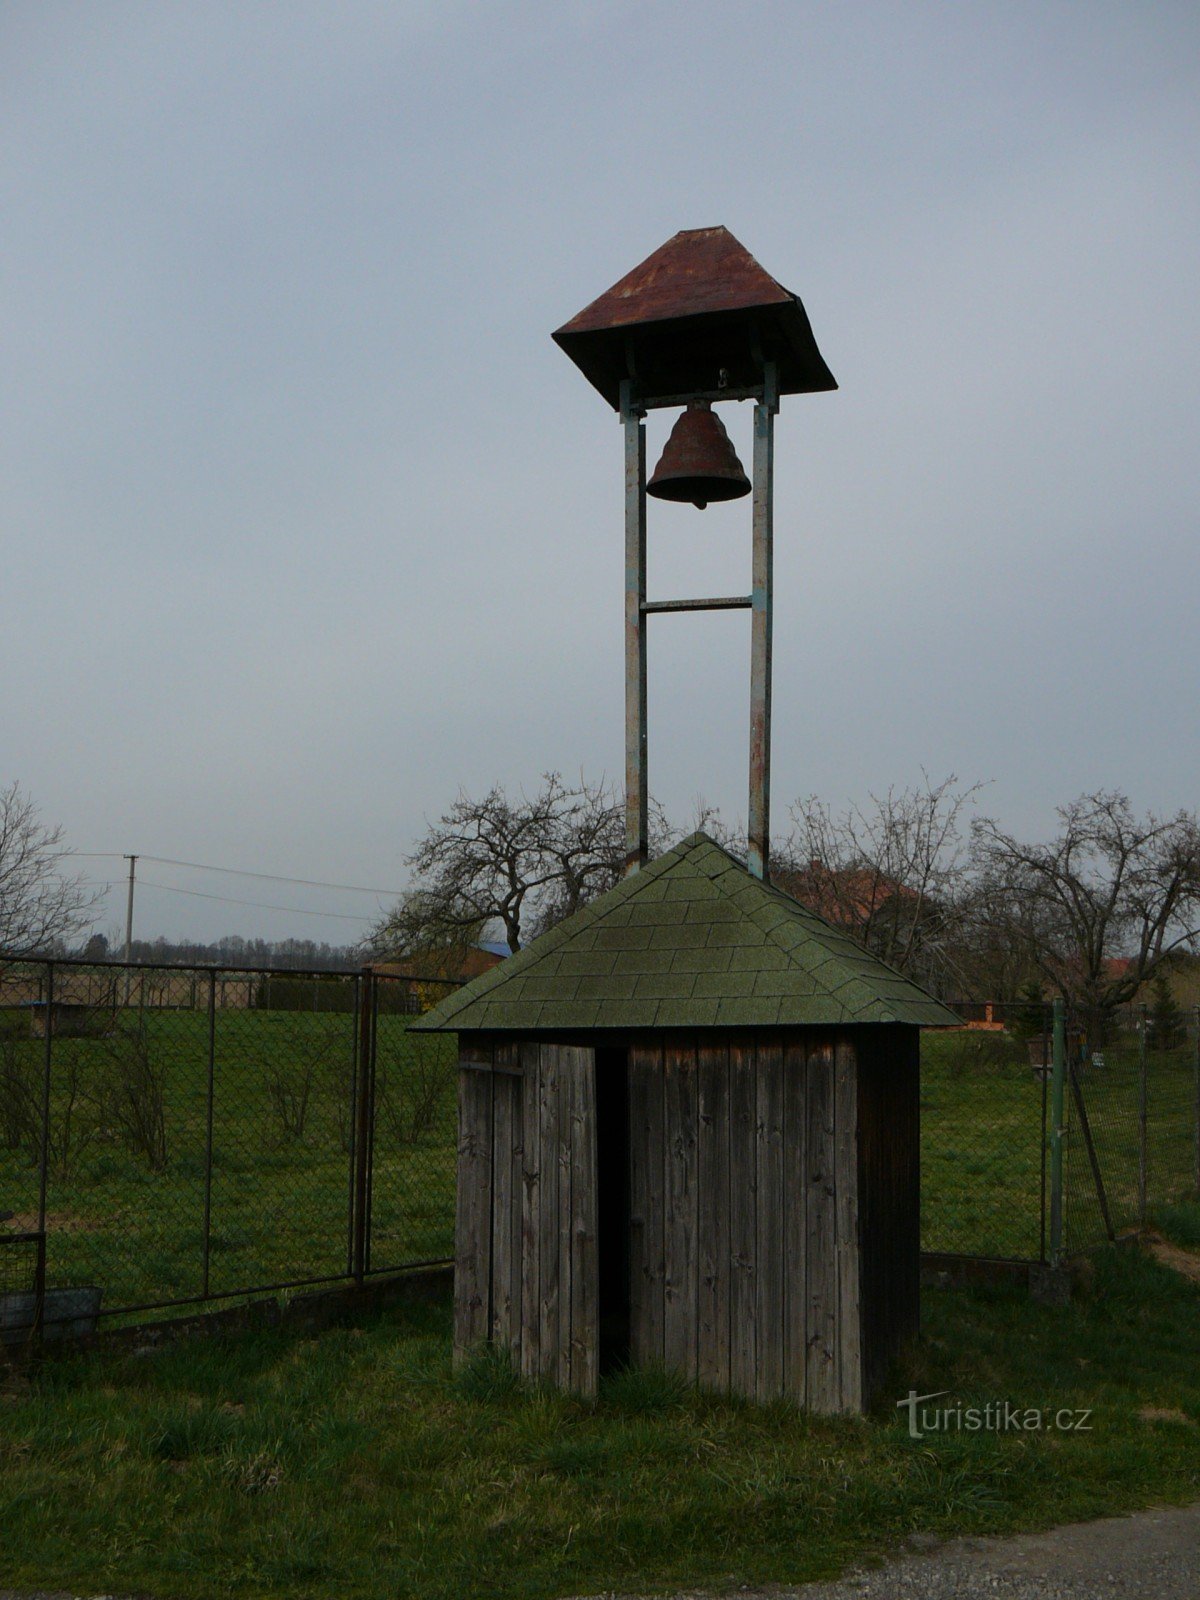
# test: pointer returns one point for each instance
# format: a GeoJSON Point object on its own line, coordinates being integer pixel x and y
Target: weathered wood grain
{"type": "Point", "coordinates": [549, 1221]}
{"type": "Point", "coordinates": [743, 1210]}
{"type": "Point", "coordinates": [505, 1203]}
{"type": "Point", "coordinates": [795, 1223]}
{"type": "Point", "coordinates": [712, 1352]}
{"type": "Point", "coordinates": [769, 1220]}
{"type": "Point", "coordinates": [849, 1320]}
{"type": "Point", "coordinates": [531, 1211]}
{"type": "Point", "coordinates": [680, 1259]}
{"type": "Point", "coordinates": [585, 1270]}
{"type": "Point", "coordinates": [473, 1213]}
{"type": "Point", "coordinates": [821, 1228]}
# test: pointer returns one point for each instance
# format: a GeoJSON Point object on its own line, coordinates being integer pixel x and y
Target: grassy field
{"type": "Point", "coordinates": [355, 1464]}
{"type": "Point", "coordinates": [129, 1216]}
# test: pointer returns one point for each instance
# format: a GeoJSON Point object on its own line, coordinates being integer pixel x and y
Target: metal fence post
{"type": "Point", "coordinates": [39, 1285]}
{"type": "Point", "coordinates": [1196, 1098]}
{"type": "Point", "coordinates": [362, 1123]}
{"type": "Point", "coordinates": [1143, 1096]}
{"type": "Point", "coordinates": [208, 1127]}
{"type": "Point", "coordinates": [1056, 1131]}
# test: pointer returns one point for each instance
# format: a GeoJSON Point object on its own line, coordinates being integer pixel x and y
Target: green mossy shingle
{"type": "Point", "coordinates": [690, 941]}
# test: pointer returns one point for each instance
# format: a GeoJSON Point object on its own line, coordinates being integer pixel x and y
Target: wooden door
{"type": "Point", "coordinates": [526, 1270]}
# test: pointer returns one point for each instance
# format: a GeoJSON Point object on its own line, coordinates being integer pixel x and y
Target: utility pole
{"type": "Point", "coordinates": [132, 860]}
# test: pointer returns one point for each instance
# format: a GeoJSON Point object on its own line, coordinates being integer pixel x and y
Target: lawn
{"type": "Point", "coordinates": [356, 1464]}
{"type": "Point", "coordinates": [128, 1214]}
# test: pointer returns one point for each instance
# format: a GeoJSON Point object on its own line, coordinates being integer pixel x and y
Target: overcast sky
{"type": "Point", "coordinates": [307, 523]}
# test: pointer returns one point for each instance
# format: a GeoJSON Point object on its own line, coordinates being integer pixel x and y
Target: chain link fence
{"type": "Point", "coordinates": [174, 1136]}
{"type": "Point", "coordinates": [182, 1135]}
{"type": "Point", "coordinates": [983, 1133]}
{"type": "Point", "coordinates": [1130, 1125]}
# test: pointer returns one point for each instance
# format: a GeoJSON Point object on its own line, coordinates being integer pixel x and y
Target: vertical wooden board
{"type": "Point", "coordinates": [680, 1260]}
{"type": "Point", "coordinates": [531, 1212]}
{"type": "Point", "coordinates": [510, 1056]}
{"type": "Point", "coordinates": [770, 1220]}
{"type": "Point", "coordinates": [712, 1221]}
{"type": "Point", "coordinates": [473, 1212]}
{"type": "Point", "coordinates": [821, 1229]}
{"type": "Point", "coordinates": [548, 1222]}
{"type": "Point", "coordinates": [564, 1272]}
{"type": "Point", "coordinates": [646, 1204]}
{"type": "Point", "coordinates": [849, 1313]}
{"type": "Point", "coordinates": [795, 1240]}
{"type": "Point", "coordinates": [743, 1211]}
{"type": "Point", "coordinates": [504, 1201]}
{"type": "Point", "coordinates": [585, 1267]}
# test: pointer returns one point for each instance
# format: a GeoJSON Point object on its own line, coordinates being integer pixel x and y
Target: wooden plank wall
{"type": "Point", "coordinates": [526, 1269]}
{"type": "Point", "coordinates": [744, 1216]}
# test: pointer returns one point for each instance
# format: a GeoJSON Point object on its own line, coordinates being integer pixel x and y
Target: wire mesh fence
{"type": "Point", "coordinates": [983, 1128]}
{"type": "Point", "coordinates": [183, 1135]}
{"type": "Point", "coordinates": [1133, 1121]}
{"type": "Point", "coordinates": [172, 1136]}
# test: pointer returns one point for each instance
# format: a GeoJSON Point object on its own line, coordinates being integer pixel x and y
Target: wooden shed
{"type": "Point", "coordinates": [689, 1137]}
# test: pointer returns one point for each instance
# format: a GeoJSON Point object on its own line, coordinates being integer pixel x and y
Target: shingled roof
{"type": "Point", "coordinates": [690, 941]}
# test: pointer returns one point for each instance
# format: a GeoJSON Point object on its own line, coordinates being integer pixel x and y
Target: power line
{"type": "Point", "coordinates": [237, 872]}
{"type": "Point", "coordinates": [261, 905]}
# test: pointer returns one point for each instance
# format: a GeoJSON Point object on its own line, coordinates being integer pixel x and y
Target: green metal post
{"type": "Point", "coordinates": [1196, 1098]}
{"type": "Point", "coordinates": [1057, 1081]}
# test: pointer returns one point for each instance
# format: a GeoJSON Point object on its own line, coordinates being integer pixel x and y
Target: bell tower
{"type": "Point", "coordinates": [698, 323]}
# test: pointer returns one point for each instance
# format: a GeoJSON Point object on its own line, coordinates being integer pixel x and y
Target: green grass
{"type": "Point", "coordinates": [279, 1198]}
{"type": "Point", "coordinates": [355, 1464]}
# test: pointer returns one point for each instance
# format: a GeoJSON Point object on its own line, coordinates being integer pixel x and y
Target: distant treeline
{"type": "Point", "coordinates": [232, 950]}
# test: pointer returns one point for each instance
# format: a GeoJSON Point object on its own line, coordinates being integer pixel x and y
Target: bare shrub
{"type": "Point", "coordinates": [301, 1059]}
{"type": "Point", "coordinates": [408, 1093]}
{"type": "Point", "coordinates": [131, 1094]}
{"type": "Point", "coordinates": [20, 1098]}
{"type": "Point", "coordinates": [75, 1115]}
{"type": "Point", "coordinates": [289, 1089]}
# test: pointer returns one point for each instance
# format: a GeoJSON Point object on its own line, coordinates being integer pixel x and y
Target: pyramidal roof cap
{"type": "Point", "coordinates": [690, 941]}
{"type": "Point", "coordinates": [699, 306]}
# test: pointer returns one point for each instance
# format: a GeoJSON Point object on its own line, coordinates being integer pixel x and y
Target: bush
{"type": "Point", "coordinates": [131, 1094]}
{"type": "Point", "coordinates": [20, 1098]}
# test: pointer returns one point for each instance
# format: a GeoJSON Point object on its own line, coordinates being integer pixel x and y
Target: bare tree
{"type": "Point", "coordinates": [523, 863]}
{"type": "Point", "coordinates": [1101, 906]}
{"type": "Point", "coordinates": [891, 872]}
{"type": "Point", "coordinates": [40, 903]}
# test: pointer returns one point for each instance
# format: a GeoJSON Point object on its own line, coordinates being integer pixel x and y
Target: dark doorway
{"type": "Point", "coordinates": [612, 1204]}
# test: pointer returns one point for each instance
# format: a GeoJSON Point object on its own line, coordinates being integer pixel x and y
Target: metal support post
{"type": "Point", "coordinates": [362, 1123]}
{"type": "Point", "coordinates": [761, 618]}
{"type": "Point", "coordinates": [1143, 1153]}
{"type": "Point", "coordinates": [132, 860]}
{"type": "Point", "coordinates": [208, 1129]}
{"type": "Point", "coordinates": [39, 1287]}
{"type": "Point", "coordinates": [636, 779]}
{"type": "Point", "coordinates": [1196, 1098]}
{"type": "Point", "coordinates": [1057, 1107]}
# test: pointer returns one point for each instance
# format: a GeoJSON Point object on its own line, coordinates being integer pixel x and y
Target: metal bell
{"type": "Point", "coordinates": [699, 462]}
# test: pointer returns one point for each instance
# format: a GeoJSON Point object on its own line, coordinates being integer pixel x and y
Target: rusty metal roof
{"type": "Point", "coordinates": [700, 306]}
